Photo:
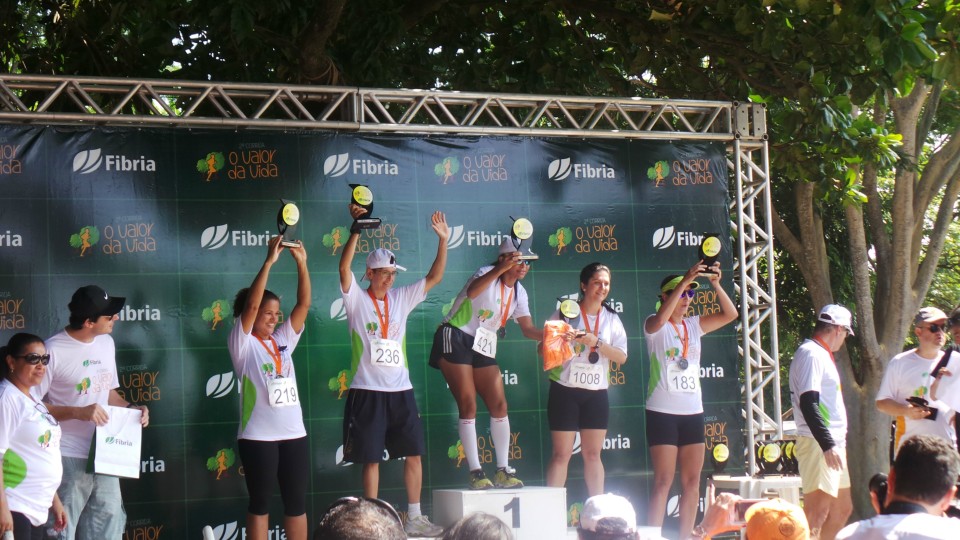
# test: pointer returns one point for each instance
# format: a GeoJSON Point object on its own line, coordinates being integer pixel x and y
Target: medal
{"type": "Point", "coordinates": [502, 332]}
{"type": "Point", "coordinates": [683, 363]}
{"type": "Point", "coordinates": [593, 357]}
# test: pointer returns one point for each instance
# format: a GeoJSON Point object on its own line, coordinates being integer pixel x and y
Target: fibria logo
{"type": "Point", "coordinates": [233, 531]}
{"type": "Point", "coordinates": [251, 160]}
{"type": "Point", "coordinates": [9, 159]}
{"type": "Point", "coordinates": [10, 240]}
{"type": "Point", "coordinates": [214, 313]}
{"type": "Point", "coordinates": [337, 311]}
{"type": "Point", "coordinates": [341, 164]}
{"type": "Point", "coordinates": [456, 237]}
{"type": "Point", "coordinates": [11, 312]}
{"type": "Point", "coordinates": [86, 238]}
{"type": "Point", "coordinates": [88, 161]}
{"type": "Point", "coordinates": [221, 384]}
{"type": "Point", "coordinates": [217, 236]}
{"type": "Point", "coordinates": [560, 169]}
{"type": "Point", "coordinates": [666, 237]}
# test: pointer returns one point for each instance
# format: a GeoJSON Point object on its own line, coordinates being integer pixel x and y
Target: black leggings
{"type": "Point", "coordinates": [23, 529]}
{"type": "Point", "coordinates": [265, 462]}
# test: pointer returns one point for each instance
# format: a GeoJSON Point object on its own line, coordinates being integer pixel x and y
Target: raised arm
{"type": "Point", "coordinates": [728, 311]}
{"type": "Point", "coordinates": [346, 256]}
{"type": "Point", "coordinates": [439, 224]}
{"type": "Point", "coordinates": [255, 296]}
{"type": "Point", "coordinates": [656, 322]}
{"type": "Point", "coordinates": [504, 263]}
{"type": "Point", "coordinates": [299, 314]}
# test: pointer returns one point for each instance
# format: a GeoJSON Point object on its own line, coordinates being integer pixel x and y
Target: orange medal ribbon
{"type": "Point", "coordinates": [685, 340]}
{"type": "Point", "coordinates": [505, 306]}
{"type": "Point", "coordinates": [384, 321]}
{"type": "Point", "coordinates": [274, 353]}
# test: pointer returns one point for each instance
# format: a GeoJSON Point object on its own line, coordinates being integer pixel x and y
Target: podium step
{"type": "Point", "coordinates": [534, 513]}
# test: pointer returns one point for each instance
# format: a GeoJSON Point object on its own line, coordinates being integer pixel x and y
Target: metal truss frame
{"type": "Point", "coordinates": [58, 100]}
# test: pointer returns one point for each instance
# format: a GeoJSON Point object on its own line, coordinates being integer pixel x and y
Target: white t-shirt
{"type": "Point", "coordinates": [364, 325]}
{"type": "Point", "coordinates": [813, 370]}
{"type": "Point", "coordinates": [907, 375]}
{"type": "Point", "coordinates": [30, 449]}
{"type": "Point", "coordinates": [255, 368]}
{"type": "Point", "coordinates": [902, 527]}
{"type": "Point", "coordinates": [468, 314]}
{"type": "Point", "coordinates": [611, 332]}
{"type": "Point", "coordinates": [948, 391]}
{"type": "Point", "coordinates": [668, 391]}
{"type": "Point", "coordinates": [79, 374]}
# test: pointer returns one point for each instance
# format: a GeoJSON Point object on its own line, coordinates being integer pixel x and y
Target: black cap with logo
{"type": "Point", "coordinates": [91, 302]}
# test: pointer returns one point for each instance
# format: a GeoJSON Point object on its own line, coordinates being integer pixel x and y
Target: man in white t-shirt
{"type": "Point", "coordinates": [380, 412]}
{"type": "Point", "coordinates": [909, 376]}
{"type": "Point", "coordinates": [822, 423]}
{"type": "Point", "coordinates": [81, 380]}
{"type": "Point", "coordinates": [922, 483]}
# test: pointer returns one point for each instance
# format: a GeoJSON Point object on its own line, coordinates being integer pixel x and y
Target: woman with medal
{"type": "Point", "coordinates": [272, 439]}
{"type": "Point", "coordinates": [30, 437]}
{"type": "Point", "coordinates": [674, 409]}
{"type": "Point", "coordinates": [578, 389]}
{"type": "Point", "coordinates": [465, 348]}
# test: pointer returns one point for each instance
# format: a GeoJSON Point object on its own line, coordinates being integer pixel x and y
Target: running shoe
{"type": "Point", "coordinates": [479, 481]}
{"type": "Point", "coordinates": [506, 478]}
{"type": "Point", "coordinates": [420, 526]}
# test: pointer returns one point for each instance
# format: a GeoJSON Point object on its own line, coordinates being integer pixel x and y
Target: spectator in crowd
{"type": "Point", "coordinates": [774, 519]}
{"type": "Point", "coordinates": [922, 484]}
{"type": "Point", "coordinates": [607, 517]}
{"type": "Point", "coordinates": [478, 526]}
{"type": "Point", "coordinates": [360, 518]}
{"type": "Point", "coordinates": [878, 492]}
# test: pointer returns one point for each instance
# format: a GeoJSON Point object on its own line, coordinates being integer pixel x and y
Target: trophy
{"type": "Point", "coordinates": [570, 310]}
{"type": "Point", "coordinates": [287, 219]}
{"type": "Point", "coordinates": [719, 457]}
{"type": "Point", "coordinates": [363, 197]}
{"type": "Point", "coordinates": [789, 460]}
{"type": "Point", "coordinates": [768, 457]}
{"type": "Point", "coordinates": [521, 234]}
{"type": "Point", "coordinates": [709, 250]}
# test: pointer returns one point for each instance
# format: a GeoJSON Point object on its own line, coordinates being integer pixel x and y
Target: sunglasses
{"type": "Point", "coordinates": [689, 293]}
{"type": "Point", "coordinates": [34, 358]}
{"type": "Point", "coordinates": [356, 500]}
{"type": "Point", "coordinates": [937, 328]}
{"type": "Point", "coordinates": [388, 273]}
{"type": "Point", "coordinates": [42, 409]}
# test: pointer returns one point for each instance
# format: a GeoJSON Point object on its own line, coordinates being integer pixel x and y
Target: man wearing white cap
{"type": "Point", "coordinates": [909, 375]}
{"type": "Point", "coordinates": [380, 411]}
{"type": "Point", "coordinates": [607, 517]}
{"type": "Point", "coordinates": [822, 423]}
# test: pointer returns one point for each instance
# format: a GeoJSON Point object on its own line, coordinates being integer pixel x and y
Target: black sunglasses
{"type": "Point", "coordinates": [356, 500]}
{"type": "Point", "coordinates": [42, 409]}
{"type": "Point", "coordinates": [937, 328]}
{"type": "Point", "coordinates": [34, 358]}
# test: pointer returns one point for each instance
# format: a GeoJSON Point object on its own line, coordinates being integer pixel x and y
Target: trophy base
{"type": "Point", "coordinates": [533, 257]}
{"type": "Point", "coordinates": [291, 243]}
{"type": "Point", "coordinates": [365, 223]}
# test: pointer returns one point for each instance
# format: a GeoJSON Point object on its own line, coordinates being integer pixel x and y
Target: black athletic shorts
{"type": "Point", "coordinates": [573, 409]}
{"type": "Point", "coordinates": [456, 346]}
{"type": "Point", "coordinates": [266, 463]}
{"type": "Point", "coordinates": [375, 421]}
{"type": "Point", "coordinates": [674, 429]}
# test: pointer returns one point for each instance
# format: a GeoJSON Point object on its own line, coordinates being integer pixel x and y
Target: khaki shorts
{"type": "Point", "coordinates": [814, 473]}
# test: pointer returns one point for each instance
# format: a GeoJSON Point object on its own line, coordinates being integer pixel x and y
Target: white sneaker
{"type": "Point", "coordinates": [421, 526]}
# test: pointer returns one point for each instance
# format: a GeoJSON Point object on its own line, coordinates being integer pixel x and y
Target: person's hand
{"type": "Point", "coordinates": [94, 413]}
{"type": "Point", "coordinates": [588, 339]}
{"type": "Point", "coordinates": [572, 334]}
{"type": "Point", "coordinates": [721, 514]}
{"type": "Point", "coordinates": [6, 519]}
{"type": "Point", "coordinates": [299, 253]}
{"type": "Point", "coordinates": [916, 413]}
{"type": "Point", "coordinates": [692, 274]}
{"type": "Point", "coordinates": [274, 247]}
{"type": "Point", "coordinates": [439, 224]}
{"type": "Point", "coordinates": [59, 515]}
{"type": "Point", "coordinates": [832, 457]}
{"type": "Point", "coordinates": [507, 261]}
{"type": "Point", "coordinates": [144, 414]}
{"type": "Point", "coordinates": [356, 210]}
{"type": "Point", "coordinates": [714, 278]}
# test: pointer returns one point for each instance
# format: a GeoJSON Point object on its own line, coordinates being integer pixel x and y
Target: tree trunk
{"type": "Point", "coordinates": [868, 441]}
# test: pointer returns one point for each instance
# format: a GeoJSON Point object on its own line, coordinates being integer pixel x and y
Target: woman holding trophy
{"type": "Point", "coordinates": [674, 406]}
{"type": "Point", "coordinates": [272, 439]}
{"type": "Point", "coordinates": [578, 400]}
{"type": "Point", "coordinates": [465, 350]}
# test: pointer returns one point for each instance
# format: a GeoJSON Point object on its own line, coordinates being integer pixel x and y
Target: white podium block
{"type": "Point", "coordinates": [534, 513]}
{"type": "Point", "coordinates": [786, 487]}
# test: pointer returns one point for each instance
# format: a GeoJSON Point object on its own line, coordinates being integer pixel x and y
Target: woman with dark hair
{"type": "Point", "coordinates": [478, 526]}
{"type": "Point", "coordinates": [674, 407]}
{"type": "Point", "coordinates": [578, 400]}
{"type": "Point", "coordinates": [465, 350]}
{"type": "Point", "coordinates": [29, 443]}
{"type": "Point", "coordinates": [272, 439]}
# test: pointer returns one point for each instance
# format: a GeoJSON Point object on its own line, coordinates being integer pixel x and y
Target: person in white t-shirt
{"type": "Point", "coordinates": [380, 412]}
{"type": "Point", "coordinates": [822, 423]}
{"type": "Point", "coordinates": [910, 374]}
{"type": "Point", "coordinates": [271, 439]}
{"type": "Point", "coordinates": [922, 484]}
{"type": "Point", "coordinates": [80, 381]}
{"type": "Point", "coordinates": [578, 401]}
{"type": "Point", "coordinates": [465, 350]}
{"type": "Point", "coordinates": [674, 408]}
{"type": "Point", "coordinates": [29, 443]}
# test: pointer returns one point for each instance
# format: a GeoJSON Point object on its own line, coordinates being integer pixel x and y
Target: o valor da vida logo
{"type": "Point", "coordinates": [130, 234]}
{"type": "Point", "coordinates": [142, 529]}
{"type": "Point", "coordinates": [10, 159]}
{"type": "Point", "coordinates": [250, 160]}
{"type": "Point", "coordinates": [138, 384]}
{"type": "Point", "coordinates": [11, 312]}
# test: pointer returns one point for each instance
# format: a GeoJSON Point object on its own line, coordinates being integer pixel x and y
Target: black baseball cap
{"type": "Point", "coordinates": [91, 302]}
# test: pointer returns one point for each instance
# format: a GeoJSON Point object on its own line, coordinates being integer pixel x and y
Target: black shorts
{"type": "Point", "coordinates": [674, 429]}
{"type": "Point", "coordinates": [375, 421]}
{"type": "Point", "coordinates": [573, 409]}
{"type": "Point", "coordinates": [456, 346]}
{"type": "Point", "coordinates": [266, 463]}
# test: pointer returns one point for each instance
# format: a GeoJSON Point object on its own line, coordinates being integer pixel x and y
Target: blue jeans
{"type": "Point", "coordinates": [92, 502]}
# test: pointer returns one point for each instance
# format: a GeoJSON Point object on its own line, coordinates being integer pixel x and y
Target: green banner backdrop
{"type": "Point", "coordinates": [177, 221]}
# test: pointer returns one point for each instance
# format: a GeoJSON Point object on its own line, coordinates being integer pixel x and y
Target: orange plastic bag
{"type": "Point", "coordinates": [556, 350]}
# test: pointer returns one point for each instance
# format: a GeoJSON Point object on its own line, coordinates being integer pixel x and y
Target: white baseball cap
{"type": "Point", "coordinates": [610, 506]}
{"type": "Point", "coordinates": [382, 258]}
{"type": "Point", "coordinates": [506, 246]}
{"type": "Point", "coordinates": [837, 315]}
